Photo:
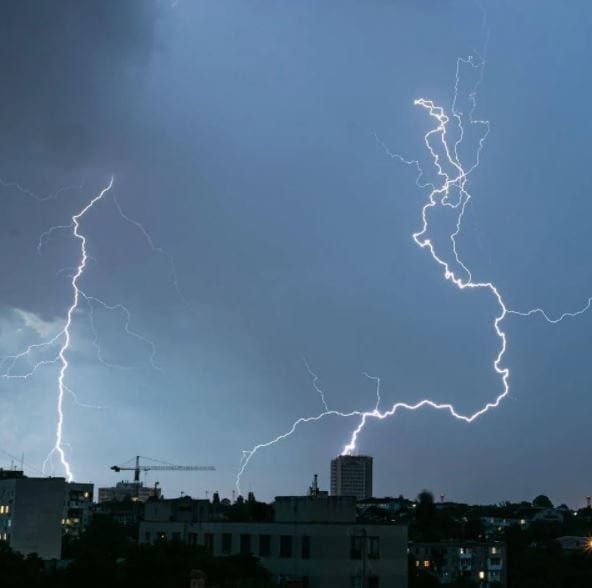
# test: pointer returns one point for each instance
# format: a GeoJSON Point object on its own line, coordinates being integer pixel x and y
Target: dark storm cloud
{"type": "Point", "coordinates": [67, 70]}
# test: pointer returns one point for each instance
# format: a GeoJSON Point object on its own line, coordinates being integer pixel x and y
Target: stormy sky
{"type": "Point", "coordinates": [241, 135]}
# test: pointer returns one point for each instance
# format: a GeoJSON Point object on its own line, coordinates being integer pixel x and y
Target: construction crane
{"type": "Point", "coordinates": [162, 466]}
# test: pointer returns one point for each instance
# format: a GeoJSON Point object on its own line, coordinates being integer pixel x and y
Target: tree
{"type": "Point", "coordinates": [425, 505]}
{"type": "Point", "coordinates": [18, 571]}
{"type": "Point", "coordinates": [542, 501]}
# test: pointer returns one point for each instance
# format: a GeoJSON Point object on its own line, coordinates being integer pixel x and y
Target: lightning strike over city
{"type": "Point", "coordinates": [455, 176]}
{"type": "Point", "coordinates": [63, 339]}
{"type": "Point", "coordinates": [306, 283]}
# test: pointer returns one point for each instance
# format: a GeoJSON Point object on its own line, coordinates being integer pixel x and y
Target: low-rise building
{"type": "Point", "coordinates": [31, 511]}
{"type": "Point", "coordinates": [128, 491]}
{"type": "Point", "coordinates": [78, 505]}
{"type": "Point", "coordinates": [315, 540]}
{"type": "Point", "coordinates": [573, 543]}
{"type": "Point", "coordinates": [484, 563]}
{"type": "Point", "coordinates": [493, 525]}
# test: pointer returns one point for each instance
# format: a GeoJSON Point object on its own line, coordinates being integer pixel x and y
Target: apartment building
{"type": "Point", "coordinates": [315, 540]}
{"type": "Point", "coordinates": [483, 563]}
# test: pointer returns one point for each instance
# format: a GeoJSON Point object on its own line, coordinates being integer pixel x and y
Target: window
{"type": "Point", "coordinates": [493, 551]}
{"type": "Point", "coordinates": [373, 582]}
{"type": "Point", "coordinates": [356, 548]}
{"type": "Point", "coordinates": [245, 544]}
{"type": "Point", "coordinates": [161, 536]}
{"type": "Point", "coordinates": [481, 575]}
{"type": "Point", "coordinates": [264, 545]}
{"type": "Point", "coordinates": [209, 541]}
{"type": "Point", "coordinates": [285, 546]}
{"type": "Point", "coordinates": [176, 536]}
{"type": "Point", "coordinates": [226, 543]}
{"type": "Point", "coordinates": [374, 547]}
{"type": "Point", "coordinates": [426, 563]}
{"type": "Point", "coordinates": [305, 552]}
{"type": "Point", "coordinates": [192, 538]}
{"type": "Point", "coordinates": [356, 582]}
{"type": "Point", "coordinates": [147, 536]}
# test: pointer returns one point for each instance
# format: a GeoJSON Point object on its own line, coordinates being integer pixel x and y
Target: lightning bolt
{"type": "Point", "coordinates": [62, 355]}
{"type": "Point", "coordinates": [155, 249]}
{"type": "Point", "coordinates": [450, 193]}
{"type": "Point", "coordinates": [27, 192]}
{"type": "Point", "coordinates": [315, 379]}
{"type": "Point", "coordinates": [11, 365]}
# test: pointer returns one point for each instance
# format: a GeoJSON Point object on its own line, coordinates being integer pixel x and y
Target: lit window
{"type": "Point", "coordinates": [416, 563]}
{"type": "Point", "coordinates": [7, 509]}
{"type": "Point", "coordinates": [481, 575]}
{"type": "Point", "coordinates": [426, 563]}
{"type": "Point", "coordinates": [493, 550]}
{"type": "Point", "coordinates": [462, 550]}
{"type": "Point", "coordinates": [1, 509]}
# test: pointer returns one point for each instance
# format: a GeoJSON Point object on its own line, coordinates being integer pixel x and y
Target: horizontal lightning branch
{"type": "Point", "coordinates": [450, 193]}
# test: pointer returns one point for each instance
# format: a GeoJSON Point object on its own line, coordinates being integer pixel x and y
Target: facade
{"type": "Point", "coordinates": [128, 491]}
{"type": "Point", "coordinates": [315, 542]}
{"type": "Point", "coordinates": [494, 525]}
{"type": "Point", "coordinates": [484, 563]}
{"type": "Point", "coordinates": [351, 475]}
{"type": "Point", "coordinates": [78, 505]}
{"type": "Point", "coordinates": [31, 511]}
{"type": "Point", "coordinates": [574, 543]}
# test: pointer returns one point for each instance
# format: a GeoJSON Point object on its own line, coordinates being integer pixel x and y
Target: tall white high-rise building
{"type": "Point", "coordinates": [351, 475]}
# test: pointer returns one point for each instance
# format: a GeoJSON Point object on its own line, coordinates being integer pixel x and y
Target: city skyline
{"type": "Point", "coordinates": [254, 220]}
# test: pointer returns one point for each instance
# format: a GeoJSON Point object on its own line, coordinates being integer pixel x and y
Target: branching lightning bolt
{"type": "Point", "coordinates": [63, 339]}
{"type": "Point", "coordinates": [315, 379]}
{"type": "Point", "coordinates": [454, 175]}
{"type": "Point", "coordinates": [63, 360]}
{"type": "Point", "coordinates": [27, 192]}
{"type": "Point", "coordinates": [155, 249]}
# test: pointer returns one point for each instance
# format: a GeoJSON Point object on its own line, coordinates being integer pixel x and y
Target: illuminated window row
{"type": "Point", "coordinates": [4, 509]}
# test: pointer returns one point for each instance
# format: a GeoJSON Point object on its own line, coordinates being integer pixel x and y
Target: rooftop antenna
{"type": "Point", "coordinates": [313, 490]}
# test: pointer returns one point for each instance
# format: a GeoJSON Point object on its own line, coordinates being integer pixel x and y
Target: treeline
{"type": "Point", "coordinates": [105, 557]}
